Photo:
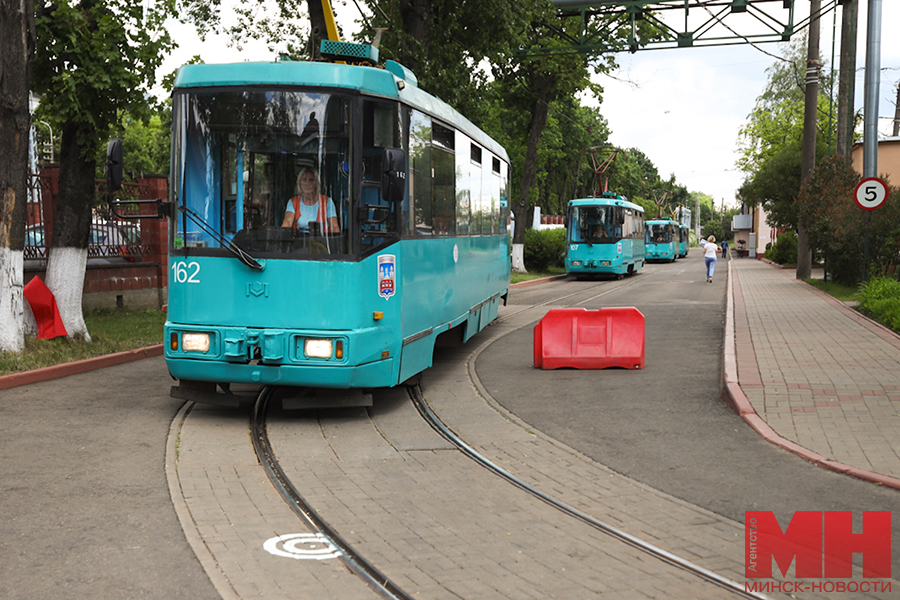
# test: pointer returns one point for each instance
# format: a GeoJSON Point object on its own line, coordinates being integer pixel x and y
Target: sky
{"type": "Point", "coordinates": [681, 107]}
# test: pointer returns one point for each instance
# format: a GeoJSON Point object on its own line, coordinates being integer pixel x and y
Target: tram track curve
{"type": "Point", "coordinates": [381, 584]}
{"type": "Point", "coordinates": [656, 552]}
{"type": "Point", "coordinates": [352, 559]}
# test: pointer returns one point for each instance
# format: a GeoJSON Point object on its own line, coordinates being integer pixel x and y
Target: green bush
{"type": "Point", "coordinates": [879, 298]}
{"type": "Point", "coordinates": [784, 250]}
{"type": "Point", "coordinates": [544, 249]}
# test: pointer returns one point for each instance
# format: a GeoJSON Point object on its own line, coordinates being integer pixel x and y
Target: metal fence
{"type": "Point", "coordinates": [112, 240]}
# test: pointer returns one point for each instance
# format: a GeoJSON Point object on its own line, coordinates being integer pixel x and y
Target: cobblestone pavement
{"type": "Point", "coordinates": [433, 521]}
{"type": "Point", "coordinates": [818, 373]}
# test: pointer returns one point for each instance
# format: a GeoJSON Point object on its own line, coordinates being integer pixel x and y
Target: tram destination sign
{"type": "Point", "coordinates": [871, 193]}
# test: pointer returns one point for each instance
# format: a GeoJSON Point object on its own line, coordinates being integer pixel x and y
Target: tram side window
{"type": "Point", "coordinates": [463, 186]}
{"type": "Point", "coordinates": [478, 191]}
{"type": "Point", "coordinates": [444, 180]}
{"type": "Point", "coordinates": [420, 171]}
{"type": "Point", "coordinates": [381, 130]}
{"type": "Point", "coordinates": [496, 196]}
{"type": "Point", "coordinates": [492, 199]}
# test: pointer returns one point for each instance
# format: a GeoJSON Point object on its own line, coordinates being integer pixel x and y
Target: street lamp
{"type": "Point", "coordinates": [51, 138]}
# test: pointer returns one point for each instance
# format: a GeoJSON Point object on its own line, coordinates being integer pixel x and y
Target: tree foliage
{"type": "Point", "coordinates": [837, 227]}
{"type": "Point", "coordinates": [146, 143]}
{"type": "Point", "coordinates": [770, 144]}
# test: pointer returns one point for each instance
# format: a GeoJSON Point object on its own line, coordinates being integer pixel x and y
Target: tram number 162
{"type": "Point", "coordinates": [186, 272]}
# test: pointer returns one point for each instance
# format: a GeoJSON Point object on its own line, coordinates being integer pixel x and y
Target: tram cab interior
{"type": "Point", "coordinates": [596, 224]}
{"type": "Point", "coordinates": [242, 152]}
{"type": "Point", "coordinates": [660, 233]}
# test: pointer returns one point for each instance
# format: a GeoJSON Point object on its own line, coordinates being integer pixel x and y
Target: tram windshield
{"type": "Point", "coordinates": [659, 233]}
{"type": "Point", "coordinates": [271, 172]}
{"type": "Point", "coordinates": [596, 224]}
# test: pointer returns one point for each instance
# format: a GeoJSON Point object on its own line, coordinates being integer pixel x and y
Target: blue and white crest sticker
{"type": "Point", "coordinates": [387, 275]}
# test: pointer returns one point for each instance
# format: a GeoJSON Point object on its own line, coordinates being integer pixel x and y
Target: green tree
{"type": "Point", "coordinates": [635, 177]}
{"type": "Point", "coordinates": [93, 59]}
{"type": "Point", "coordinates": [775, 185]}
{"type": "Point", "coordinates": [449, 44]}
{"type": "Point", "coordinates": [145, 143]}
{"type": "Point", "coordinates": [565, 168]}
{"type": "Point", "coordinates": [837, 227]}
{"type": "Point", "coordinates": [770, 144]}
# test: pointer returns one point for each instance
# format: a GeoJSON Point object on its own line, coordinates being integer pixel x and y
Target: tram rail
{"type": "Point", "coordinates": [354, 561]}
{"type": "Point", "coordinates": [378, 581]}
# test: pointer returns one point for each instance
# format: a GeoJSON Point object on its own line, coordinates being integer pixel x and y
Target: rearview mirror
{"type": "Point", "coordinates": [393, 176]}
{"type": "Point", "coordinates": [114, 165]}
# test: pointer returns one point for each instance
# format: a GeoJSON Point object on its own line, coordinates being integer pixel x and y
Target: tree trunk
{"type": "Point", "coordinates": [67, 258]}
{"type": "Point", "coordinates": [539, 109]}
{"type": "Point", "coordinates": [16, 53]}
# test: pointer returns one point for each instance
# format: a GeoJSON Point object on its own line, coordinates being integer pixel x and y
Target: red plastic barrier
{"type": "Point", "coordinates": [590, 339]}
{"type": "Point", "coordinates": [46, 313]}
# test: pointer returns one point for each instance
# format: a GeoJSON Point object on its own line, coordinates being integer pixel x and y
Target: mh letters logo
{"type": "Point", "coordinates": [822, 543]}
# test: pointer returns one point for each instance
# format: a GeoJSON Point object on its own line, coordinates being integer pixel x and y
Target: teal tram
{"type": "Point", "coordinates": [662, 240]}
{"type": "Point", "coordinates": [604, 235]}
{"type": "Point", "coordinates": [330, 223]}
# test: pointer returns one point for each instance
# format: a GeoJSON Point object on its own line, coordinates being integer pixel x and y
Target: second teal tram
{"type": "Point", "coordinates": [684, 242]}
{"type": "Point", "coordinates": [662, 240]}
{"type": "Point", "coordinates": [604, 235]}
{"type": "Point", "coordinates": [330, 222]}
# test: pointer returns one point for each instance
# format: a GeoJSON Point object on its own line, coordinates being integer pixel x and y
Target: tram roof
{"type": "Point", "coordinates": [371, 81]}
{"type": "Point", "coordinates": [606, 201]}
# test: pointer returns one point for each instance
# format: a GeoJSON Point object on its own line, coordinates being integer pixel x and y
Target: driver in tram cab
{"type": "Point", "coordinates": [310, 206]}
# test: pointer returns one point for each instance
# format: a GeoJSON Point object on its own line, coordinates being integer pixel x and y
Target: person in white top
{"type": "Point", "coordinates": [709, 255]}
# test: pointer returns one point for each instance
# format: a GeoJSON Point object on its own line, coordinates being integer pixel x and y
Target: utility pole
{"type": "Point", "coordinates": [870, 118]}
{"type": "Point", "coordinates": [897, 113]}
{"type": "Point", "coordinates": [808, 159]}
{"type": "Point", "coordinates": [847, 78]}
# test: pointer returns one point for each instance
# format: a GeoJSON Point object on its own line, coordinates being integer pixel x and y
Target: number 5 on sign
{"type": "Point", "coordinates": [871, 193]}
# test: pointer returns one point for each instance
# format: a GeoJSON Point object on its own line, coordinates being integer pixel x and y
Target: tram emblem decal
{"type": "Point", "coordinates": [387, 275]}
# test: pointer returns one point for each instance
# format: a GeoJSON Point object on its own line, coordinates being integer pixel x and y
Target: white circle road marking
{"type": "Point", "coordinates": [302, 546]}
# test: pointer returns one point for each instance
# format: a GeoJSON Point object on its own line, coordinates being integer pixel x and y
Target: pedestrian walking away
{"type": "Point", "coordinates": [724, 248]}
{"type": "Point", "coordinates": [709, 254]}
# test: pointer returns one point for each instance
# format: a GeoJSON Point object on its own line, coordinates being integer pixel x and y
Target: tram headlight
{"type": "Point", "coordinates": [195, 342]}
{"type": "Point", "coordinates": [576, 263]}
{"type": "Point", "coordinates": [318, 348]}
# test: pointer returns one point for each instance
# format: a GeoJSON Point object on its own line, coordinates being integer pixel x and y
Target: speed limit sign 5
{"type": "Point", "coordinates": [871, 193]}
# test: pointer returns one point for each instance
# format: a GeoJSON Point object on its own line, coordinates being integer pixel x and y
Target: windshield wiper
{"type": "Point", "coordinates": [225, 242]}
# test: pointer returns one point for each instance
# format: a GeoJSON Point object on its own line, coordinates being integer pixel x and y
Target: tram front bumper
{"type": "Point", "coordinates": [575, 266]}
{"type": "Point", "coordinates": [334, 359]}
{"type": "Point", "coordinates": [371, 375]}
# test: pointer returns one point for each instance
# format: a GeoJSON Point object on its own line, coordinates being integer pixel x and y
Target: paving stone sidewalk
{"type": "Point", "coordinates": [817, 371]}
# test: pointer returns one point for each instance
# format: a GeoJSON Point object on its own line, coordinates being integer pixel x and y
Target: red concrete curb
{"type": "Point", "coordinates": [80, 366]}
{"type": "Point", "coordinates": [734, 396]}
